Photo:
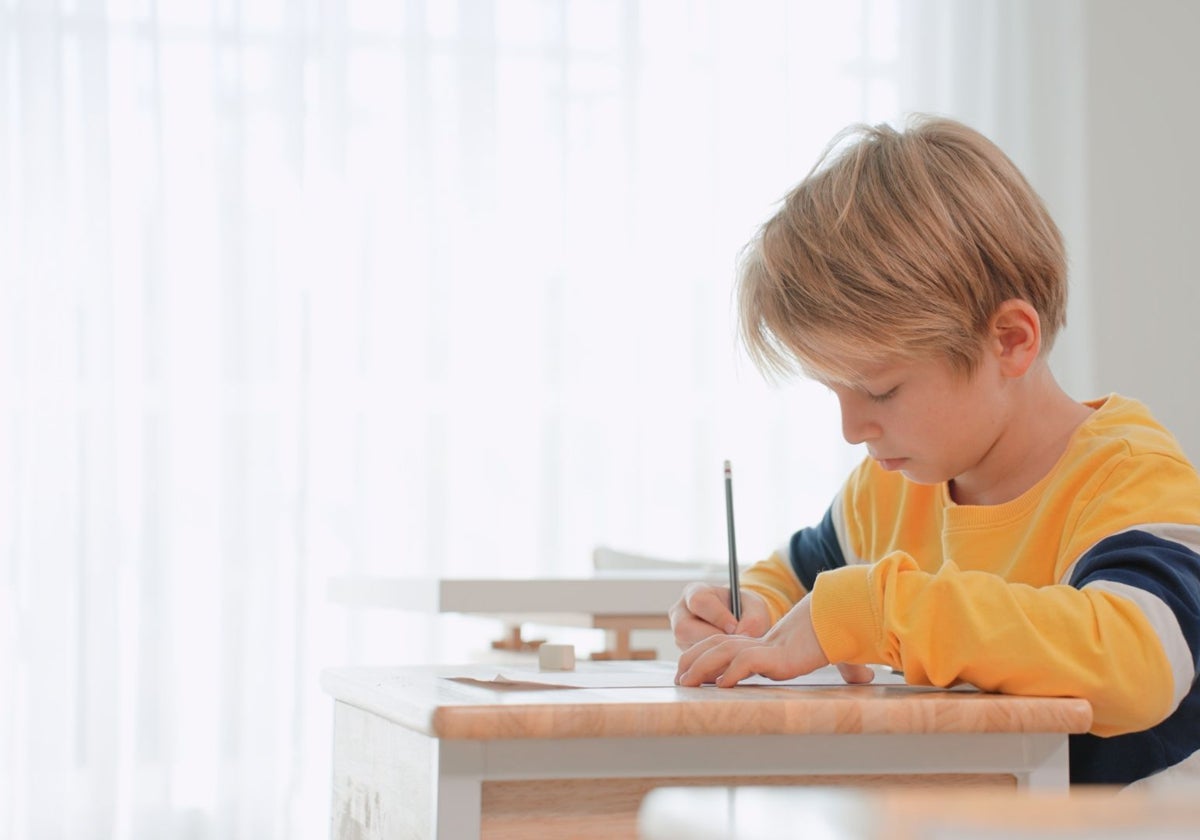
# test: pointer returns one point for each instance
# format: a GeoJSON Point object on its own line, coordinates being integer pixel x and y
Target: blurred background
{"type": "Point", "coordinates": [293, 289]}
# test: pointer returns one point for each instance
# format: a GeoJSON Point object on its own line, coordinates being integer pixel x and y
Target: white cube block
{"type": "Point", "coordinates": [556, 657]}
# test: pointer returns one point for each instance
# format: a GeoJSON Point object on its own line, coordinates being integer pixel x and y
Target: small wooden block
{"type": "Point", "coordinates": [556, 657]}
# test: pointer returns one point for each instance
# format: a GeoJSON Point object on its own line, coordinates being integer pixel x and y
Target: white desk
{"type": "Point", "coordinates": [417, 754]}
{"type": "Point", "coordinates": [620, 601]}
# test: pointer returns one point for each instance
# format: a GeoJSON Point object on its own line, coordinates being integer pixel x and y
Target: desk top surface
{"type": "Point", "coordinates": [460, 702]}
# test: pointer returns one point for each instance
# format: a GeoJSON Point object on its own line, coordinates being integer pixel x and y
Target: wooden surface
{"type": "Point", "coordinates": [607, 809]}
{"type": "Point", "coordinates": [418, 750]}
{"type": "Point", "coordinates": [741, 813]}
{"type": "Point", "coordinates": [425, 699]}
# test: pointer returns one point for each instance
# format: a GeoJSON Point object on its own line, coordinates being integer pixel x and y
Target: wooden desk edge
{"type": "Point", "coordinates": [701, 718]}
{"type": "Point", "coordinates": [862, 710]}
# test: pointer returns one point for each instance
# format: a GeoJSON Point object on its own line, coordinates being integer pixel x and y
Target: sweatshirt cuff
{"type": "Point", "coordinates": [843, 616]}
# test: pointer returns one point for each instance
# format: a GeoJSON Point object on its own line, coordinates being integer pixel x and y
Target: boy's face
{"type": "Point", "coordinates": [925, 419]}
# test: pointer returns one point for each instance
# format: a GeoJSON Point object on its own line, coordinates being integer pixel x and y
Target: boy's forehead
{"type": "Point", "coordinates": [833, 356]}
{"type": "Point", "coordinates": [847, 358]}
{"type": "Point", "coordinates": [853, 373]}
{"type": "Point", "coordinates": [877, 373]}
{"type": "Point", "coordinates": [853, 380]}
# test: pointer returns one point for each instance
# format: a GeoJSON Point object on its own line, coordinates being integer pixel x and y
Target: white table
{"type": "Point", "coordinates": [620, 601]}
{"type": "Point", "coordinates": [419, 754]}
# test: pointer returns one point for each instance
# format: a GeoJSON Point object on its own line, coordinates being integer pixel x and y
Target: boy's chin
{"type": "Point", "coordinates": [915, 471]}
{"type": "Point", "coordinates": [919, 476]}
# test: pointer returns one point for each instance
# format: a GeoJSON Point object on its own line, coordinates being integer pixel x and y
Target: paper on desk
{"type": "Point", "coordinates": [662, 675]}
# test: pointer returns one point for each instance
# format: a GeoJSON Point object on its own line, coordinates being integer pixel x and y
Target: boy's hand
{"type": "Point", "coordinates": [704, 611]}
{"type": "Point", "coordinates": [788, 650]}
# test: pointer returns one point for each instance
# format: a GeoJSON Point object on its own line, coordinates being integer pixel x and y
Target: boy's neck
{"type": "Point", "coordinates": [1037, 431]}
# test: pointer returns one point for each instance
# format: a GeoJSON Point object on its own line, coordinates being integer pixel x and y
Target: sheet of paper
{"type": "Point", "coordinates": [659, 674]}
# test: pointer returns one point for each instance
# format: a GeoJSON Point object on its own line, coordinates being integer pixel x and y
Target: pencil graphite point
{"type": "Point", "coordinates": [727, 468]}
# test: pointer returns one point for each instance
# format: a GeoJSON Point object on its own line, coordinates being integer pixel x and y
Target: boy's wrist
{"type": "Point", "coordinates": [776, 605]}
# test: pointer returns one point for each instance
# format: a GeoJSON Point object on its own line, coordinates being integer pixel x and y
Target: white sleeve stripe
{"type": "Point", "coordinates": [785, 551]}
{"type": "Point", "coordinates": [1187, 536]}
{"type": "Point", "coordinates": [1172, 779]}
{"type": "Point", "coordinates": [1166, 626]}
{"type": "Point", "coordinates": [838, 510]}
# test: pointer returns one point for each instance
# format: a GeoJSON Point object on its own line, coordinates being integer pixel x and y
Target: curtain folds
{"type": "Point", "coordinates": [296, 289]}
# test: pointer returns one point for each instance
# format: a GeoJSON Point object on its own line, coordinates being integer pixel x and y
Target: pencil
{"type": "Point", "coordinates": [735, 594]}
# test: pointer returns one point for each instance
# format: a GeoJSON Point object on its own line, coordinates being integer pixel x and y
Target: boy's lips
{"type": "Point", "coordinates": [890, 464]}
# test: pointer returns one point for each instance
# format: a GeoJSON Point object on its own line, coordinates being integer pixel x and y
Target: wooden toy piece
{"type": "Point", "coordinates": [514, 641]}
{"type": "Point", "coordinates": [619, 628]}
{"type": "Point", "coordinates": [556, 657]}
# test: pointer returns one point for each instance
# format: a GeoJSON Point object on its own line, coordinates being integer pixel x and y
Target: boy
{"type": "Point", "coordinates": [999, 533]}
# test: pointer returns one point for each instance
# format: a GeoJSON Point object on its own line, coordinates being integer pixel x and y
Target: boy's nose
{"type": "Point", "coordinates": [857, 425]}
{"type": "Point", "coordinates": [853, 433]}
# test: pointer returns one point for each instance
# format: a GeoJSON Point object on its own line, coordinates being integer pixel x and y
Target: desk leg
{"type": "Point", "coordinates": [459, 789]}
{"type": "Point", "coordinates": [1049, 764]}
{"type": "Point", "coordinates": [619, 629]}
{"type": "Point", "coordinates": [383, 778]}
{"type": "Point", "coordinates": [390, 783]}
{"type": "Point", "coordinates": [516, 642]}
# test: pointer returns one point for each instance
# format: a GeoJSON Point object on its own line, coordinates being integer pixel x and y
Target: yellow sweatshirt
{"type": "Point", "coordinates": [1087, 585]}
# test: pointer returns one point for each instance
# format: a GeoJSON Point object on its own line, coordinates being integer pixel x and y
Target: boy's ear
{"type": "Point", "coordinates": [1015, 336]}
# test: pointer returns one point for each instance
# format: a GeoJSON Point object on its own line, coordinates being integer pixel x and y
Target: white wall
{"type": "Point", "coordinates": [1143, 181]}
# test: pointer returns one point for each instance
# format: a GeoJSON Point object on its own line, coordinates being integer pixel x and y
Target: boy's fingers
{"type": "Point", "coordinates": [706, 603]}
{"type": "Point", "coordinates": [705, 659]}
{"type": "Point", "coordinates": [690, 630]}
{"type": "Point", "coordinates": [756, 620]}
{"type": "Point", "coordinates": [752, 625]}
{"type": "Point", "coordinates": [743, 665]}
{"type": "Point", "coordinates": [729, 662]}
{"type": "Point", "coordinates": [855, 674]}
{"type": "Point", "coordinates": [764, 660]}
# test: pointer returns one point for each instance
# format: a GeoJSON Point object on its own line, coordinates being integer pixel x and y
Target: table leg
{"type": "Point", "coordinates": [459, 789]}
{"type": "Point", "coordinates": [514, 641]}
{"type": "Point", "coordinates": [620, 648]}
{"type": "Point", "coordinates": [1051, 765]}
{"type": "Point", "coordinates": [619, 629]}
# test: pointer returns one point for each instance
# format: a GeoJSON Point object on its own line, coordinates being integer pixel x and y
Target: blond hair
{"type": "Point", "coordinates": [898, 245]}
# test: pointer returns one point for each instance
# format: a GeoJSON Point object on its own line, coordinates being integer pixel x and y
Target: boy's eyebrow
{"type": "Point", "coordinates": [860, 385]}
{"type": "Point", "coordinates": [859, 380]}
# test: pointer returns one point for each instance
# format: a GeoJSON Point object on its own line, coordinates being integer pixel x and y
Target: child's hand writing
{"type": "Point", "coordinates": [788, 650]}
{"type": "Point", "coordinates": [704, 611]}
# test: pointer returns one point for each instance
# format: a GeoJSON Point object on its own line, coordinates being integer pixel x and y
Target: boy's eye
{"type": "Point", "coordinates": [883, 397]}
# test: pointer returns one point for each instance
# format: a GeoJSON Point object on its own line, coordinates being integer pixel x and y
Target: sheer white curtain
{"type": "Point", "coordinates": [293, 289]}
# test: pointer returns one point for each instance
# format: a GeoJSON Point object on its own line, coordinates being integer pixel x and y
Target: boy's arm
{"type": "Point", "coordinates": [775, 581]}
{"type": "Point", "coordinates": [1122, 629]}
{"type": "Point", "coordinates": [785, 577]}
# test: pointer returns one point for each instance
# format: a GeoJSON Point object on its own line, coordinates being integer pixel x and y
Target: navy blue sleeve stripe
{"type": "Point", "coordinates": [1163, 568]}
{"type": "Point", "coordinates": [1158, 568]}
{"type": "Point", "coordinates": [815, 550]}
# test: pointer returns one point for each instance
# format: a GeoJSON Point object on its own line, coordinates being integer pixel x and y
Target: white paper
{"type": "Point", "coordinates": [660, 674]}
